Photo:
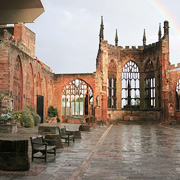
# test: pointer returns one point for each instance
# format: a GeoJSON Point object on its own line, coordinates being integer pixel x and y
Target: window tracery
{"type": "Point", "coordinates": [130, 85]}
{"type": "Point", "coordinates": [77, 98]}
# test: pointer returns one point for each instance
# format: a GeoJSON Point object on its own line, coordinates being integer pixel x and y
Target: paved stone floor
{"type": "Point", "coordinates": [116, 152]}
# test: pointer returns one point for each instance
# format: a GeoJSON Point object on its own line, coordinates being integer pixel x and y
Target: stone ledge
{"type": "Point", "coordinates": [131, 118]}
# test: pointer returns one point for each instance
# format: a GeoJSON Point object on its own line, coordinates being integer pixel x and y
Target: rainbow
{"type": "Point", "coordinates": [165, 14]}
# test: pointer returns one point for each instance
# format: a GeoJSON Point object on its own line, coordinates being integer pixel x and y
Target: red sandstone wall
{"type": "Point", "coordinates": [62, 80]}
{"type": "Point", "coordinates": [40, 80]}
{"type": "Point", "coordinates": [9, 71]}
{"type": "Point", "coordinates": [26, 36]}
{"type": "Point", "coordinates": [4, 69]}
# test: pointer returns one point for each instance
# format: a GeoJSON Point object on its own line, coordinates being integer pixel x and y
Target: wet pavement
{"type": "Point", "coordinates": [115, 152]}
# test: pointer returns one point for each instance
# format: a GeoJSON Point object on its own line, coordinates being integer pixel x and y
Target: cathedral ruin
{"type": "Point", "coordinates": [129, 83]}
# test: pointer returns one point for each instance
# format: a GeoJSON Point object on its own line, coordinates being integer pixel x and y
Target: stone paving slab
{"type": "Point", "coordinates": [65, 163]}
{"type": "Point", "coordinates": [137, 152]}
{"type": "Point", "coordinates": [134, 152]}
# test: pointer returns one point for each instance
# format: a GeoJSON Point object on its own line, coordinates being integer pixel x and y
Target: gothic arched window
{"type": "Point", "coordinates": [77, 98]}
{"type": "Point", "coordinates": [130, 85]}
{"type": "Point", "coordinates": [178, 95]}
{"type": "Point", "coordinates": [149, 85]}
{"type": "Point", "coordinates": [111, 85]}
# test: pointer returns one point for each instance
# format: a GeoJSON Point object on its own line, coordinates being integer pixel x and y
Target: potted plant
{"type": "Point", "coordinates": [6, 117]}
{"type": "Point", "coordinates": [52, 116]}
{"type": "Point", "coordinates": [7, 122]}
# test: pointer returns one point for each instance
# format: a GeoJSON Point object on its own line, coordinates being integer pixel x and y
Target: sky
{"type": "Point", "coordinates": [67, 33]}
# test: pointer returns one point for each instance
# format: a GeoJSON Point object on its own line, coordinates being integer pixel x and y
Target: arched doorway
{"type": "Point", "coordinates": [77, 99]}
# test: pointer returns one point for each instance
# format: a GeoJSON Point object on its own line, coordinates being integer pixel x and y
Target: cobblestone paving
{"type": "Point", "coordinates": [134, 152]}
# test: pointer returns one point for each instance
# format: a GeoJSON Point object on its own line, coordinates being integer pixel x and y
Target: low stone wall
{"type": "Point", "coordinates": [48, 129]}
{"type": "Point", "coordinates": [8, 128]}
{"type": "Point", "coordinates": [142, 115]}
{"type": "Point", "coordinates": [131, 118]}
{"type": "Point", "coordinates": [74, 121]}
{"type": "Point", "coordinates": [14, 155]}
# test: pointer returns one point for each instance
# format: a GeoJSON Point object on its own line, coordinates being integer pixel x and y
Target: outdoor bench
{"type": "Point", "coordinates": [66, 135]}
{"type": "Point", "coordinates": [39, 145]}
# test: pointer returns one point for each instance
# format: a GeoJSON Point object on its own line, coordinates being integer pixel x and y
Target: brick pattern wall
{"type": "Point", "coordinates": [26, 37]}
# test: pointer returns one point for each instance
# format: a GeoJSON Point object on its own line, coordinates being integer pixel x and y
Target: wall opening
{"type": "Point", "coordinates": [130, 85]}
{"type": "Point", "coordinates": [77, 99]}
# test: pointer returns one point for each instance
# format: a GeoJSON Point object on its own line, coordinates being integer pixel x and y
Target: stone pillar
{"type": "Point", "coordinates": [104, 107]}
{"type": "Point", "coordinates": [97, 113]}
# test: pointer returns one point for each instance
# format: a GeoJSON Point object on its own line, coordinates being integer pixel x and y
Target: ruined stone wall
{"type": "Point", "coordinates": [25, 36]}
{"type": "Point", "coordinates": [141, 115]}
{"type": "Point", "coordinates": [21, 74]}
{"type": "Point", "coordinates": [61, 80]}
{"type": "Point", "coordinates": [22, 77]}
{"type": "Point", "coordinates": [120, 56]}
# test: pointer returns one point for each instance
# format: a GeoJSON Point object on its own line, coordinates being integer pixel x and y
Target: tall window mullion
{"type": "Point", "coordinates": [149, 85]}
{"type": "Point", "coordinates": [111, 85]}
{"type": "Point", "coordinates": [111, 93]}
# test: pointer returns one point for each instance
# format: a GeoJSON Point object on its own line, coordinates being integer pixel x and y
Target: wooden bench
{"type": "Point", "coordinates": [38, 145]}
{"type": "Point", "coordinates": [67, 136]}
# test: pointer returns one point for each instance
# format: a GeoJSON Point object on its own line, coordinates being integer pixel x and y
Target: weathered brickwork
{"type": "Point", "coordinates": [61, 80]}
{"type": "Point", "coordinates": [158, 54]}
{"type": "Point", "coordinates": [23, 77]}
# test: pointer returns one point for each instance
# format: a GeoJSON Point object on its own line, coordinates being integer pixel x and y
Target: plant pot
{"type": "Point", "coordinates": [51, 120]}
{"type": "Point", "coordinates": [8, 128]}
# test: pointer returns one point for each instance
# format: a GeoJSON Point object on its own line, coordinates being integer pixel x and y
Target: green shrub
{"type": "Point", "coordinates": [52, 111]}
{"type": "Point", "coordinates": [36, 117]}
{"type": "Point", "coordinates": [17, 115]}
{"type": "Point", "coordinates": [27, 118]}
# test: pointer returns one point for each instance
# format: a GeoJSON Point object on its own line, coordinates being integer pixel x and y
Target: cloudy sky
{"type": "Point", "coordinates": [67, 33]}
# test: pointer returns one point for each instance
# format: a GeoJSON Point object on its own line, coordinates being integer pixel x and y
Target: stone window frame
{"type": "Point", "coordinates": [112, 85]}
{"type": "Point", "coordinates": [130, 85]}
{"type": "Point", "coordinates": [178, 95]}
{"type": "Point", "coordinates": [111, 92]}
{"type": "Point", "coordinates": [150, 94]}
{"type": "Point", "coordinates": [76, 94]}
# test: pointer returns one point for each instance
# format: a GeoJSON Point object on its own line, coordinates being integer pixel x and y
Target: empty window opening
{"type": "Point", "coordinates": [178, 95]}
{"type": "Point", "coordinates": [130, 86]}
{"type": "Point", "coordinates": [77, 99]}
{"type": "Point", "coordinates": [111, 85]}
{"type": "Point", "coordinates": [149, 85]}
